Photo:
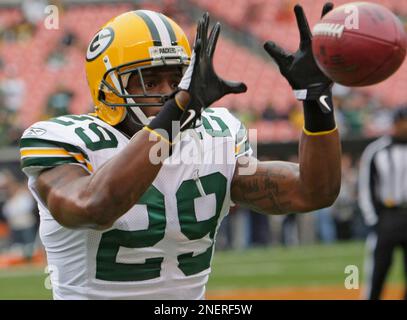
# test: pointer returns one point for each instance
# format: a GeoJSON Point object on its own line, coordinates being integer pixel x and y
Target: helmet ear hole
{"type": "Point", "coordinates": [101, 95]}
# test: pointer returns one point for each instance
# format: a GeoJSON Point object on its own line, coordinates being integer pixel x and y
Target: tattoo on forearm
{"type": "Point", "coordinates": [249, 186]}
{"type": "Point", "coordinates": [265, 191]}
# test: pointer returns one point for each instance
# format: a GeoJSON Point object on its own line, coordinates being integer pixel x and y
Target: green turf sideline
{"type": "Point", "coordinates": [268, 268]}
{"type": "Point", "coordinates": [308, 265]}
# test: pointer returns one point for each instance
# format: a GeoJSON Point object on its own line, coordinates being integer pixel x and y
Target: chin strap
{"type": "Point", "coordinates": [138, 113]}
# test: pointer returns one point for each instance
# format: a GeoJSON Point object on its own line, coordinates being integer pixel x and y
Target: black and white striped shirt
{"type": "Point", "coordinates": [382, 178]}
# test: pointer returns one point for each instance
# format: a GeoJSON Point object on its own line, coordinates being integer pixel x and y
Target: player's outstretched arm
{"type": "Point", "coordinates": [279, 187]}
{"type": "Point", "coordinates": [283, 187]}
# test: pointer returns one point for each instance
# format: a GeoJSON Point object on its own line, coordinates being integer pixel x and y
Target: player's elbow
{"type": "Point", "coordinates": [324, 201]}
{"type": "Point", "coordinates": [332, 194]}
{"type": "Point", "coordinates": [97, 213]}
{"type": "Point", "coordinates": [99, 210]}
{"type": "Point", "coordinates": [320, 199]}
{"type": "Point", "coordinates": [314, 204]}
{"type": "Point", "coordinates": [80, 211]}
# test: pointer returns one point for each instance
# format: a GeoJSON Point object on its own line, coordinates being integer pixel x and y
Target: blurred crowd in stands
{"type": "Point", "coordinates": [18, 217]}
{"type": "Point", "coordinates": [42, 76]}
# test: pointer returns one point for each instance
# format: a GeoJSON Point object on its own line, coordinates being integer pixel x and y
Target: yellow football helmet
{"type": "Point", "coordinates": [126, 44]}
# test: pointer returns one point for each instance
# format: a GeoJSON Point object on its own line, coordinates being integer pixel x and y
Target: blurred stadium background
{"type": "Point", "coordinates": [279, 257]}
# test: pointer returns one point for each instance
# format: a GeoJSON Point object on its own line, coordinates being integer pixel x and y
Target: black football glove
{"type": "Point", "coordinates": [200, 79]}
{"type": "Point", "coordinates": [300, 68]}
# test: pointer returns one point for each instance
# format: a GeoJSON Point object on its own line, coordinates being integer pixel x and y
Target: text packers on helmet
{"type": "Point", "coordinates": [130, 43]}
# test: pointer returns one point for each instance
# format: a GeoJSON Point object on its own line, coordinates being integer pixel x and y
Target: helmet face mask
{"type": "Point", "coordinates": [129, 45]}
{"type": "Point", "coordinates": [123, 73]}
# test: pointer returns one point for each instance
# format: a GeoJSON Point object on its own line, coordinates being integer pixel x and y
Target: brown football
{"type": "Point", "coordinates": [359, 44]}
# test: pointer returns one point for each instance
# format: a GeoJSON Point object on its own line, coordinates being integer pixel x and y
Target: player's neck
{"type": "Point", "coordinates": [128, 126]}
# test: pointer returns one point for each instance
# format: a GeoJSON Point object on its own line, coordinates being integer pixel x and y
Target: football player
{"type": "Point", "coordinates": [116, 224]}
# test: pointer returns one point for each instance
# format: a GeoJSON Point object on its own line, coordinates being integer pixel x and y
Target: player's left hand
{"type": "Point", "coordinates": [200, 79]}
{"type": "Point", "coordinates": [300, 68]}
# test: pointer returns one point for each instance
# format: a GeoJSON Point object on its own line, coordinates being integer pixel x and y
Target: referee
{"type": "Point", "coordinates": [383, 201]}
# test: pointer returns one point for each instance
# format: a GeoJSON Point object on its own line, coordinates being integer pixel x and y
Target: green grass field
{"type": "Point", "coordinates": [303, 266]}
{"type": "Point", "coordinates": [296, 266]}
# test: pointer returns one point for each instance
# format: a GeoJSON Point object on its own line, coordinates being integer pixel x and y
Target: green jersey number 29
{"type": "Point", "coordinates": [107, 267]}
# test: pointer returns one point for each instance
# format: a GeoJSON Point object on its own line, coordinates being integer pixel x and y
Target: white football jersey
{"type": "Point", "coordinates": [162, 247]}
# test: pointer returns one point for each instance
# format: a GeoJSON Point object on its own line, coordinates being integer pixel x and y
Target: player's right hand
{"type": "Point", "coordinates": [200, 79]}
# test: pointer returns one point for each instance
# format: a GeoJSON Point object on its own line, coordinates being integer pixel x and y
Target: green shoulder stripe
{"type": "Point", "coordinates": [46, 161]}
{"type": "Point", "coordinates": [40, 143]}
